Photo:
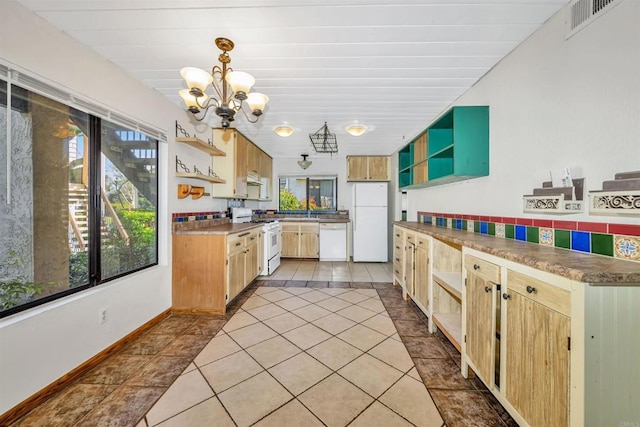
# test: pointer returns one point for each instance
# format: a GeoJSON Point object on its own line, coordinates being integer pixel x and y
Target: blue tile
{"type": "Point", "coordinates": [180, 219]}
{"type": "Point", "coordinates": [427, 219]}
{"type": "Point", "coordinates": [483, 228]}
{"type": "Point", "coordinates": [441, 222]}
{"type": "Point", "coordinates": [521, 233]}
{"type": "Point", "coordinates": [581, 241]}
{"type": "Point", "coordinates": [458, 224]}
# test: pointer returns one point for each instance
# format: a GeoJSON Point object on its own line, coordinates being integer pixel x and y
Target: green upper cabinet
{"type": "Point", "coordinates": [457, 148]}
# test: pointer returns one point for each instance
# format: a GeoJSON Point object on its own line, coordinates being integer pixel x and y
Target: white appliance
{"type": "Point", "coordinates": [272, 238]}
{"type": "Point", "coordinates": [370, 222]}
{"type": "Point", "coordinates": [333, 241]}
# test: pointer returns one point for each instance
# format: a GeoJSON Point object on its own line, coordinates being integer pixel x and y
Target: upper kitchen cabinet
{"type": "Point", "coordinates": [247, 167]}
{"type": "Point", "coordinates": [368, 168]}
{"type": "Point", "coordinates": [454, 148]}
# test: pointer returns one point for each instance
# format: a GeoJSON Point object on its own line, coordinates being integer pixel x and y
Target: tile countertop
{"type": "Point", "coordinates": [577, 266]}
{"type": "Point", "coordinates": [320, 220]}
{"type": "Point", "coordinates": [222, 229]}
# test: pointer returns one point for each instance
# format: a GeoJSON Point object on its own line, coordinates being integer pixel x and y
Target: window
{"type": "Point", "coordinates": [308, 194]}
{"type": "Point", "coordinates": [53, 240]}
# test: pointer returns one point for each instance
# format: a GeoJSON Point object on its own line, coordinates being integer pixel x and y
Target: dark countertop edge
{"type": "Point", "coordinates": [222, 229]}
{"type": "Point", "coordinates": [562, 262]}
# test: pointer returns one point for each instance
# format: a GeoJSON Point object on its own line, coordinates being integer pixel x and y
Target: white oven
{"type": "Point", "coordinates": [272, 245]}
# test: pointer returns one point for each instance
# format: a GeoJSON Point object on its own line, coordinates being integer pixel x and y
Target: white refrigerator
{"type": "Point", "coordinates": [370, 222]}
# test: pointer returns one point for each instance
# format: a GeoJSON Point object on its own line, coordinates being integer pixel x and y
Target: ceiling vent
{"type": "Point", "coordinates": [583, 12]}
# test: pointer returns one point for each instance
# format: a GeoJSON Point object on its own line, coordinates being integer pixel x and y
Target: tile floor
{"type": "Point", "coordinates": [289, 352]}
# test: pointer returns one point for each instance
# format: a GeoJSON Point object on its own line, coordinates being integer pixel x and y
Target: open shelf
{"type": "Point", "coordinates": [619, 196]}
{"type": "Point", "coordinates": [201, 145]}
{"type": "Point", "coordinates": [451, 326]}
{"type": "Point", "coordinates": [451, 282]}
{"type": "Point", "coordinates": [555, 200]}
{"type": "Point", "coordinates": [201, 177]}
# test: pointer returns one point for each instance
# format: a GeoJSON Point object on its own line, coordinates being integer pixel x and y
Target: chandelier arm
{"type": "Point", "coordinates": [248, 117]}
{"type": "Point", "coordinates": [207, 104]}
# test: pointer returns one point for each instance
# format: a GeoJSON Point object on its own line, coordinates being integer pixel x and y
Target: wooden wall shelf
{"type": "Point", "coordinates": [555, 200]}
{"type": "Point", "coordinates": [201, 145]}
{"type": "Point", "coordinates": [202, 177]}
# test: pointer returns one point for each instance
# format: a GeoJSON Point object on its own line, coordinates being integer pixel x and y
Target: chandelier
{"type": "Point", "coordinates": [231, 88]}
{"type": "Point", "coordinates": [324, 141]}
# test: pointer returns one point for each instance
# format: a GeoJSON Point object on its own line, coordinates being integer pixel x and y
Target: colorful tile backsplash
{"type": "Point", "coordinates": [196, 216]}
{"type": "Point", "coordinates": [599, 238]}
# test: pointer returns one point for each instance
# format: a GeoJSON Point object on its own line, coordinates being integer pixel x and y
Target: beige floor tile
{"type": "Point", "coordinates": [352, 297]}
{"type": "Point", "coordinates": [334, 353]}
{"type": "Point", "coordinates": [272, 351]}
{"type": "Point", "coordinates": [333, 323]}
{"type": "Point", "coordinates": [356, 313]}
{"type": "Point", "coordinates": [382, 324]}
{"type": "Point", "coordinates": [264, 290]}
{"type": "Point", "coordinates": [292, 303]}
{"type": "Point", "coordinates": [378, 415]}
{"type": "Point", "coordinates": [217, 348]}
{"type": "Point", "coordinates": [410, 399]}
{"type": "Point", "coordinates": [371, 293]}
{"type": "Point", "coordinates": [394, 353]}
{"type": "Point", "coordinates": [189, 368]}
{"type": "Point", "coordinates": [311, 312]}
{"type": "Point", "coordinates": [333, 291]}
{"type": "Point", "coordinates": [361, 278]}
{"type": "Point", "coordinates": [413, 373]}
{"type": "Point", "coordinates": [362, 337]}
{"type": "Point", "coordinates": [341, 278]}
{"type": "Point", "coordinates": [187, 390]}
{"type": "Point", "coordinates": [231, 370]}
{"type": "Point", "coordinates": [335, 401]}
{"type": "Point", "coordinates": [252, 334]}
{"type": "Point", "coordinates": [333, 304]}
{"type": "Point", "coordinates": [302, 276]}
{"type": "Point", "coordinates": [293, 414]}
{"type": "Point", "coordinates": [370, 374]}
{"type": "Point", "coordinates": [315, 296]}
{"type": "Point", "coordinates": [322, 277]}
{"type": "Point", "coordinates": [382, 279]}
{"type": "Point", "coordinates": [278, 295]}
{"type": "Point", "coordinates": [266, 311]}
{"type": "Point", "coordinates": [282, 276]}
{"type": "Point", "coordinates": [373, 304]}
{"type": "Point", "coordinates": [306, 336]}
{"type": "Point", "coordinates": [253, 399]}
{"type": "Point", "coordinates": [253, 302]}
{"type": "Point", "coordinates": [142, 423]}
{"type": "Point", "coordinates": [205, 414]}
{"type": "Point", "coordinates": [298, 291]}
{"type": "Point", "coordinates": [285, 322]}
{"type": "Point", "coordinates": [239, 320]}
{"type": "Point", "coordinates": [299, 373]}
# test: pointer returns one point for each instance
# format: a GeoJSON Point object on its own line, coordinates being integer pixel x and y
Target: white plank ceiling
{"type": "Point", "coordinates": [393, 66]}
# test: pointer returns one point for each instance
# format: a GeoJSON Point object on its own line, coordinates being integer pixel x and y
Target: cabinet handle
{"type": "Point", "coordinates": [244, 234]}
{"type": "Point", "coordinates": [253, 238]}
{"type": "Point", "coordinates": [238, 244]}
{"type": "Point", "coordinates": [506, 296]}
{"type": "Point", "coordinates": [397, 235]}
{"type": "Point", "coordinates": [398, 259]}
{"type": "Point", "coordinates": [397, 247]}
{"type": "Point", "coordinates": [397, 272]}
{"type": "Point", "coordinates": [487, 289]}
{"type": "Point", "coordinates": [531, 289]}
{"type": "Point", "coordinates": [476, 267]}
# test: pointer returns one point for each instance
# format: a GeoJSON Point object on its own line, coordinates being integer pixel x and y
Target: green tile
{"type": "Point", "coordinates": [602, 244]}
{"type": "Point", "coordinates": [464, 224]}
{"type": "Point", "coordinates": [562, 239]}
{"type": "Point", "coordinates": [508, 231]}
{"type": "Point", "coordinates": [476, 226]}
{"type": "Point", "coordinates": [533, 234]}
{"type": "Point", "coordinates": [491, 228]}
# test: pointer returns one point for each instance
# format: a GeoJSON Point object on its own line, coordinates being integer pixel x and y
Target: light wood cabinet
{"type": "Point", "coordinates": [300, 240]}
{"type": "Point", "coordinates": [242, 147]}
{"type": "Point", "coordinates": [482, 285]}
{"type": "Point", "coordinates": [409, 264]}
{"type": "Point", "coordinates": [537, 350]}
{"type": "Point", "coordinates": [368, 168]}
{"type": "Point", "coordinates": [209, 270]}
{"type": "Point", "coordinates": [422, 272]}
{"type": "Point", "coordinates": [398, 255]}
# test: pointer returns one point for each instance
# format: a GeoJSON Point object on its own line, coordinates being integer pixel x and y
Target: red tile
{"type": "Point", "coordinates": [598, 227]}
{"type": "Point", "coordinates": [625, 229]}
{"type": "Point", "coordinates": [565, 225]}
{"type": "Point", "coordinates": [474, 217]}
{"type": "Point", "coordinates": [508, 220]}
{"type": "Point", "coordinates": [495, 219]}
{"type": "Point", "coordinates": [543, 223]}
{"type": "Point", "coordinates": [524, 221]}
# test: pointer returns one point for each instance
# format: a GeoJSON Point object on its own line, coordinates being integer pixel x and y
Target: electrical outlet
{"type": "Point", "coordinates": [102, 316]}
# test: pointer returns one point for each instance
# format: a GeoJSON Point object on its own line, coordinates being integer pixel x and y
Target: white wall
{"type": "Point", "coordinates": [40, 345]}
{"type": "Point", "coordinates": [554, 103]}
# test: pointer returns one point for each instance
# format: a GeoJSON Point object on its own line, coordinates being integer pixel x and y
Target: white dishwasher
{"type": "Point", "coordinates": [333, 241]}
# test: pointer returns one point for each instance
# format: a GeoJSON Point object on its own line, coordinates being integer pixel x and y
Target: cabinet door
{"type": "Point", "coordinates": [241, 166]}
{"type": "Point", "coordinates": [537, 365]}
{"type": "Point", "coordinates": [422, 273]}
{"type": "Point", "coordinates": [251, 260]}
{"type": "Point", "coordinates": [356, 168]}
{"type": "Point", "coordinates": [309, 245]}
{"type": "Point", "coordinates": [480, 325]}
{"type": "Point", "coordinates": [253, 159]}
{"type": "Point", "coordinates": [379, 168]}
{"type": "Point", "coordinates": [398, 254]}
{"type": "Point", "coordinates": [290, 241]}
{"type": "Point", "coordinates": [235, 274]}
{"type": "Point", "coordinates": [409, 268]}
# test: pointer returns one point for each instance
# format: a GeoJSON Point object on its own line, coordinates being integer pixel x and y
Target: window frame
{"type": "Point", "coordinates": [307, 179]}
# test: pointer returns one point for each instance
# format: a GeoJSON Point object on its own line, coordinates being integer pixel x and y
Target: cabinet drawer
{"type": "Point", "coordinates": [397, 233]}
{"type": "Point", "coordinates": [422, 241]}
{"type": "Point", "coordinates": [482, 268]}
{"type": "Point", "coordinates": [548, 295]}
{"type": "Point", "coordinates": [289, 228]}
{"type": "Point", "coordinates": [309, 228]}
{"type": "Point", "coordinates": [397, 271]}
{"type": "Point", "coordinates": [411, 238]}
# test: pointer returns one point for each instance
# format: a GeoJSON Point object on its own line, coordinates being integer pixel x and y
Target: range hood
{"type": "Point", "coordinates": [253, 178]}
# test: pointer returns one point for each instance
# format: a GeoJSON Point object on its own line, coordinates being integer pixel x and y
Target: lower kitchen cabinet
{"type": "Point", "coordinates": [209, 270]}
{"type": "Point", "coordinates": [300, 240]}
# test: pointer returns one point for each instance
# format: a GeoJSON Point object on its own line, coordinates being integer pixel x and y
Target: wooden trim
{"type": "Point", "coordinates": [178, 310]}
{"type": "Point", "coordinates": [30, 403]}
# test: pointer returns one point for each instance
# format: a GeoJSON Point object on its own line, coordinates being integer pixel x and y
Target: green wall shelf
{"type": "Point", "coordinates": [457, 148]}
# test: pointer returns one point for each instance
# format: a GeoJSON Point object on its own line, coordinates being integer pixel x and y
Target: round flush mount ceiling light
{"type": "Point", "coordinates": [356, 129]}
{"type": "Point", "coordinates": [283, 130]}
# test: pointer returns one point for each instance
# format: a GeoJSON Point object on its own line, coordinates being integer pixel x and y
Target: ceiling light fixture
{"type": "Point", "coordinates": [324, 141]}
{"type": "Point", "coordinates": [304, 163]}
{"type": "Point", "coordinates": [231, 87]}
{"type": "Point", "coordinates": [356, 129]}
{"type": "Point", "coordinates": [284, 130]}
